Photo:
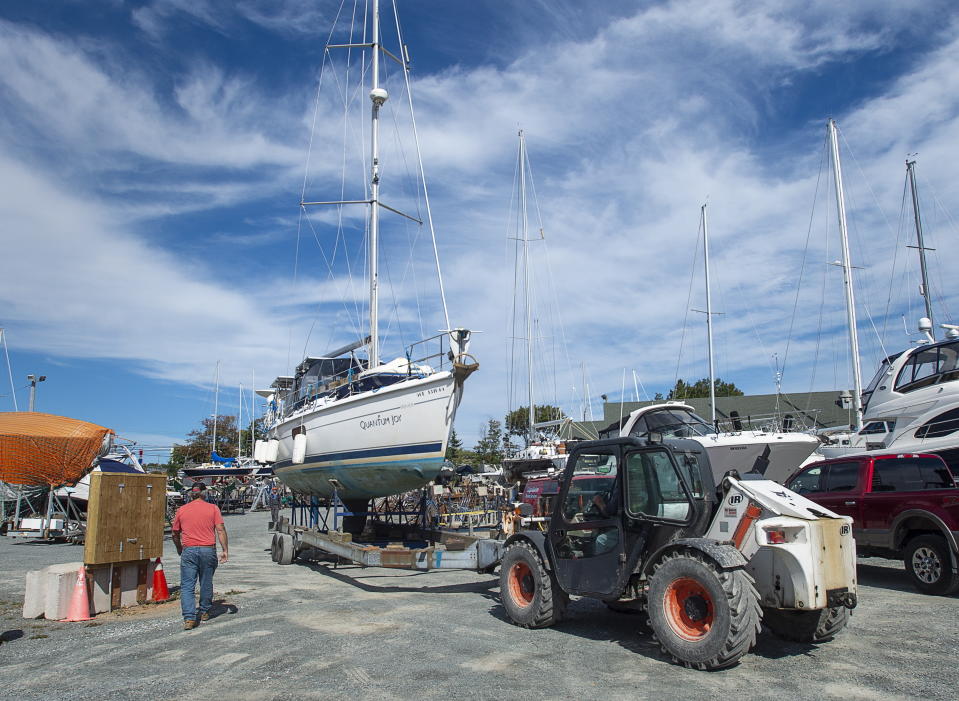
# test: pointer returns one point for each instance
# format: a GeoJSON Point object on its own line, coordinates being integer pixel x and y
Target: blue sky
{"type": "Point", "coordinates": [152, 156]}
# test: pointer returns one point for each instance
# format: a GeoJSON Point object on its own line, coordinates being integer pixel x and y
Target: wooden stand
{"type": "Point", "coordinates": [124, 536]}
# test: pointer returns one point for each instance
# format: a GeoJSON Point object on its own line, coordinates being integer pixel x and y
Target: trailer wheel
{"type": "Point", "coordinates": [530, 594]}
{"type": "Point", "coordinates": [806, 626]}
{"type": "Point", "coordinates": [284, 549]}
{"type": "Point", "coordinates": [929, 564]}
{"type": "Point", "coordinates": [703, 617]}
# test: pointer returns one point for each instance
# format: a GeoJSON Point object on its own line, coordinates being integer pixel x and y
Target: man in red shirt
{"type": "Point", "coordinates": [196, 528]}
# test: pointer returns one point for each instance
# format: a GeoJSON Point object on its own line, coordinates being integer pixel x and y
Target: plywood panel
{"type": "Point", "coordinates": [125, 517]}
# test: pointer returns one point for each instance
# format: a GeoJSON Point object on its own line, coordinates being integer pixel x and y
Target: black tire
{"type": "Point", "coordinates": [284, 549]}
{"type": "Point", "coordinates": [702, 616]}
{"type": "Point", "coordinates": [806, 626]}
{"type": "Point", "coordinates": [274, 547]}
{"type": "Point", "coordinates": [929, 564]}
{"type": "Point", "coordinates": [529, 593]}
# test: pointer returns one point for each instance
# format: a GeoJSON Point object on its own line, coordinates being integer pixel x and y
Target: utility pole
{"type": "Point", "coordinates": [33, 389]}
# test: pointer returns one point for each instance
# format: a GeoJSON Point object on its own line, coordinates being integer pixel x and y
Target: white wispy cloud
{"type": "Point", "coordinates": [630, 128]}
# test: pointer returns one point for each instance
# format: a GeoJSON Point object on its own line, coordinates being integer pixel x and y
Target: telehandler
{"type": "Point", "coordinates": [708, 566]}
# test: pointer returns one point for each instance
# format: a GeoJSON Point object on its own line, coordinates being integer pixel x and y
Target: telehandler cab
{"type": "Point", "coordinates": [651, 532]}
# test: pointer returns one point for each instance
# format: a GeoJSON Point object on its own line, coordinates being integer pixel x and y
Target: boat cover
{"type": "Point", "coordinates": [43, 449]}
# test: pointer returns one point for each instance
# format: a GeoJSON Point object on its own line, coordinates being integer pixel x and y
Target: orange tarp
{"type": "Point", "coordinates": [43, 449]}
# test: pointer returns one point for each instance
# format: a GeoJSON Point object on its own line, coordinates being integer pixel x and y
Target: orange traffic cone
{"type": "Point", "coordinates": [160, 591]}
{"type": "Point", "coordinates": [79, 609]}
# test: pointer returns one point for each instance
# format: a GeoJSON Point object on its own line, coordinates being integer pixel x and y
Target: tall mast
{"type": "Point", "coordinates": [709, 322]}
{"type": "Point", "coordinates": [378, 96]}
{"type": "Point", "coordinates": [216, 405]}
{"type": "Point", "coordinates": [924, 290]}
{"type": "Point", "coordinates": [526, 282]}
{"type": "Point", "coordinates": [239, 425]}
{"type": "Point", "coordinates": [847, 276]}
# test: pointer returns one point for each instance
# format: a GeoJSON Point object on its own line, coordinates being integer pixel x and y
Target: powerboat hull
{"type": "Point", "coordinates": [785, 452]}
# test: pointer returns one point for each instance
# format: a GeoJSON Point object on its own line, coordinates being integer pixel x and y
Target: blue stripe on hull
{"type": "Point", "coordinates": [346, 456]}
{"type": "Point", "coordinates": [361, 480]}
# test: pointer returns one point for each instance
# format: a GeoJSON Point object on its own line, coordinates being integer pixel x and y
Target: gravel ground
{"type": "Point", "coordinates": [311, 631]}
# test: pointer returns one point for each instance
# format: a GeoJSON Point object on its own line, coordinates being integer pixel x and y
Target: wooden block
{"type": "Point", "coordinates": [142, 581]}
{"type": "Point", "coordinates": [116, 587]}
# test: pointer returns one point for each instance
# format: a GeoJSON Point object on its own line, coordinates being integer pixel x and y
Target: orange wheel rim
{"type": "Point", "coordinates": [689, 609]}
{"type": "Point", "coordinates": [522, 587]}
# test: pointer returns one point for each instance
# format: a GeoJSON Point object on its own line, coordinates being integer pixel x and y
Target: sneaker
{"type": "Point", "coordinates": [204, 616]}
{"type": "Point", "coordinates": [189, 625]}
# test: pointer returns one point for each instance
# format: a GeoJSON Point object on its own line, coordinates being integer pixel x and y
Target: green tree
{"type": "Point", "coordinates": [517, 421]}
{"type": "Point", "coordinates": [454, 449]}
{"type": "Point", "coordinates": [199, 443]}
{"type": "Point", "coordinates": [700, 389]}
{"type": "Point", "coordinates": [489, 449]}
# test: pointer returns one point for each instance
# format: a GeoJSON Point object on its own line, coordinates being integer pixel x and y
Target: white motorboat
{"type": "Point", "coordinates": [774, 454]}
{"type": "Point", "coordinates": [911, 405]}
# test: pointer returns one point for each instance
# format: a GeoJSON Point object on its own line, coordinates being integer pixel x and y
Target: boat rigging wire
{"type": "Point", "coordinates": [939, 264]}
{"type": "Point", "coordinates": [802, 265]}
{"type": "Point", "coordinates": [689, 296]}
{"type": "Point", "coordinates": [6, 352]}
{"type": "Point", "coordinates": [895, 256]}
{"type": "Point", "coordinates": [419, 157]}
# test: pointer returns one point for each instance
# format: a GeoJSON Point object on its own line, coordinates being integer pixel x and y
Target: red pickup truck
{"type": "Point", "coordinates": [904, 506]}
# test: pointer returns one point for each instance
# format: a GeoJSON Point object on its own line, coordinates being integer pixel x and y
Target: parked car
{"type": "Point", "coordinates": [904, 506]}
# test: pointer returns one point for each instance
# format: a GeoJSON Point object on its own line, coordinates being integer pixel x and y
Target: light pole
{"type": "Point", "coordinates": [33, 389]}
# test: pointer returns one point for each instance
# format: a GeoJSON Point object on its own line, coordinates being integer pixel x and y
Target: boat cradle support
{"type": "Point", "coordinates": [477, 554]}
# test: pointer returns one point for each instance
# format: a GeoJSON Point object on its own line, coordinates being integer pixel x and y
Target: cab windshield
{"type": "Point", "coordinates": [672, 423]}
{"type": "Point", "coordinates": [880, 374]}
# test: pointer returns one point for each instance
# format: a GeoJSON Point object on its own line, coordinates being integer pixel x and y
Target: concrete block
{"type": "Point", "coordinates": [35, 594]}
{"type": "Point", "coordinates": [128, 584]}
{"type": "Point", "coordinates": [102, 579]}
{"type": "Point", "coordinates": [60, 580]}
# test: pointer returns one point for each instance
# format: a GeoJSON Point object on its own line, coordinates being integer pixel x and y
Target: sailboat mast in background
{"type": "Point", "coordinates": [847, 277]}
{"type": "Point", "coordinates": [709, 322]}
{"type": "Point", "coordinates": [924, 289]}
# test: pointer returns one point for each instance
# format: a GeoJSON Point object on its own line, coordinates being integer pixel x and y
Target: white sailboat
{"type": "Point", "coordinates": [540, 454]}
{"type": "Point", "coordinates": [773, 453]}
{"type": "Point", "coordinates": [359, 427]}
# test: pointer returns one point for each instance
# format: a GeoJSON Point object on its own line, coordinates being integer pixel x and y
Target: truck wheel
{"type": "Point", "coordinates": [806, 626]}
{"type": "Point", "coordinates": [703, 617]}
{"type": "Point", "coordinates": [529, 593]}
{"type": "Point", "coordinates": [929, 564]}
{"type": "Point", "coordinates": [284, 549]}
{"type": "Point", "coordinates": [274, 547]}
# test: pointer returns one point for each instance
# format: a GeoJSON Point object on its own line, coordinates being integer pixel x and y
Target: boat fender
{"type": "Point", "coordinates": [299, 448]}
{"type": "Point", "coordinates": [272, 450]}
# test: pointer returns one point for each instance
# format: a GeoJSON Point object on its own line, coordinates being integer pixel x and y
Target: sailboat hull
{"type": "Point", "coordinates": [374, 444]}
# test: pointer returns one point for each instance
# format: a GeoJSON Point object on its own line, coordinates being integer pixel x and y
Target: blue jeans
{"type": "Point", "coordinates": [196, 563]}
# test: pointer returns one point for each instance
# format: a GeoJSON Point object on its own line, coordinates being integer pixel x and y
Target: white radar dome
{"type": "Point", "coordinates": [379, 96]}
{"type": "Point", "coordinates": [925, 324]}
